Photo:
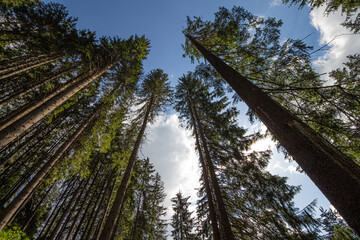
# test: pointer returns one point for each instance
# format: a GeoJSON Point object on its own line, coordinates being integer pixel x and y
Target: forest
{"type": "Point", "coordinates": [75, 111]}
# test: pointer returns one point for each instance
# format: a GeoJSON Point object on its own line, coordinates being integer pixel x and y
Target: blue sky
{"type": "Point", "coordinates": [169, 146]}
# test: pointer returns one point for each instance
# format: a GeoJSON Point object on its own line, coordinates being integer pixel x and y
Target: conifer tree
{"type": "Point", "coordinates": [181, 220]}
{"type": "Point", "coordinates": [156, 93]}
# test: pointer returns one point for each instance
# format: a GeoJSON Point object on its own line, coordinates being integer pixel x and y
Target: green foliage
{"type": "Point", "coordinates": [13, 233]}
{"type": "Point", "coordinates": [260, 205]}
{"type": "Point", "coordinates": [181, 221]}
{"type": "Point", "coordinates": [348, 7]}
{"type": "Point", "coordinates": [251, 45]}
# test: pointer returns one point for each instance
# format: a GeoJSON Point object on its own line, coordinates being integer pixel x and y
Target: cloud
{"type": "Point", "coordinates": [342, 41]}
{"type": "Point", "coordinates": [171, 150]}
{"type": "Point", "coordinates": [275, 3]}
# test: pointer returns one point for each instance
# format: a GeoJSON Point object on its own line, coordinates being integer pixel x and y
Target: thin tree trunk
{"type": "Point", "coordinates": [37, 208]}
{"type": "Point", "coordinates": [212, 212]}
{"type": "Point", "coordinates": [57, 209]}
{"type": "Point", "coordinates": [83, 202]}
{"type": "Point", "coordinates": [31, 106]}
{"type": "Point", "coordinates": [79, 191]}
{"type": "Point", "coordinates": [20, 60]}
{"type": "Point", "coordinates": [22, 93]}
{"type": "Point", "coordinates": [102, 222]}
{"type": "Point", "coordinates": [26, 68]}
{"type": "Point", "coordinates": [26, 192]}
{"type": "Point", "coordinates": [16, 128]}
{"type": "Point", "coordinates": [93, 214]}
{"type": "Point", "coordinates": [109, 227]}
{"type": "Point", "coordinates": [335, 174]}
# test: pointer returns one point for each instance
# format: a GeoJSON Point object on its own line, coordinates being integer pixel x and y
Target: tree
{"type": "Point", "coordinates": [181, 220]}
{"type": "Point", "coordinates": [349, 8]}
{"type": "Point", "coordinates": [155, 92]}
{"type": "Point", "coordinates": [268, 111]}
{"type": "Point", "coordinates": [258, 204]}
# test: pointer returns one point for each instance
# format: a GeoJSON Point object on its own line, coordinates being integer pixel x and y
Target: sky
{"type": "Point", "coordinates": [168, 145]}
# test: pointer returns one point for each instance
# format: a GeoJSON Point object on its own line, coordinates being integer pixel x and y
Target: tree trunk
{"type": "Point", "coordinates": [57, 208]}
{"type": "Point", "coordinates": [212, 212]}
{"type": "Point", "coordinates": [79, 191]}
{"type": "Point", "coordinates": [107, 208]}
{"type": "Point", "coordinates": [93, 214]}
{"type": "Point", "coordinates": [335, 174]}
{"type": "Point", "coordinates": [31, 106]}
{"type": "Point", "coordinates": [225, 223]}
{"type": "Point", "coordinates": [19, 61]}
{"type": "Point", "coordinates": [25, 91]}
{"type": "Point", "coordinates": [81, 206]}
{"type": "Point", "coordinates": [27, 191]}
{"type": "Point", "coordinates": [26, 68]}
{"type": "Point", "coordinates": [16, 128]}
{"type": "Point", "coordinates": [109, 227]}
{"type": "Point", "coordinates": [37, 208]}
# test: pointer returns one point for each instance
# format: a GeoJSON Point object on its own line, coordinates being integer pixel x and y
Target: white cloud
{"type": "Point", "coordinates": [171, 150]}
{"type": "Point", "coordinates": [274, 3]}
{"type": "Point", "coordinates": [342, 42]}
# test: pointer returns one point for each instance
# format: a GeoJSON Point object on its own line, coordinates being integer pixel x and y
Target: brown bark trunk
{"type": "Point", "coordinates": [20, 61]}
{"type": "Point", "coordinates": [31, 106]}
{"type": "Point", "coordinates": [212, 212]}
{"type": "Point", "coordinates": [93, 213]}
{"type": "Point", "coordinates": [16, 128]}
{"type": "Point", "coordinates": [83, 202]}
{"type": "Point", "coordinates": [59, 224]}
{"type": "Point", "coordinates": [57, 208]}
{"type": "Point", "coordinates": [27, 191]}
{"type": "Point", "coordinates": [335, 174]}
{"type": "Point", "coordinates": [26, 68]}
{"type": "Point", "coordinates": [225, 223]}
{"type": "Point", "coordinates": [102, 222]}
{"type": "Point", "coordinates": [37, 208]}
{"type": "Point", "coordinates": [25, 91]}
{"type": "Point", "coordinates": [109, 227]}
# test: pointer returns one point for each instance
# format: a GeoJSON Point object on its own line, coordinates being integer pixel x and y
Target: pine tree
{"type": "Point", "coordinates": [155, 92]}
{"type": "Point", "coordinates": [181, 221]}
{"type": "Point", "coordinates": [242, 178]}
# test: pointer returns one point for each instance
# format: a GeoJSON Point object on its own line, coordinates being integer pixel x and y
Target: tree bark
{"type": "Point", "coordinates": [27, 191]}
{"type": "Point", "coordinates": [19, 61]}
{"type": "Point", "coordinates": [225, 223]}
{"type": "Point", "coordinates": [57, 208]}
{"type": "Point", "coordinates": [335, 174]}
{"type": "Point", "coordinates": [26, 68]}
{"type": "Point", "coordinates": [37, 207]}
{"type": "Point", "coordinates": [107, 208]}
{"type": "Point", "coordinates": [109, 227]}
{"type": "Point", "coordinates": [19, 126]}
{"type": "Point", "coordinates": [22, 93]}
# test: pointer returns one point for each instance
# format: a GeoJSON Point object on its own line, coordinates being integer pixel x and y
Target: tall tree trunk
{"type": "Point", "coordinates": [37, 207]}
{"type": "Point", "coordinates": [109, 227]}
{"type": "Point", "coordinates": [16, 128]}
{"type": "Point", "coordinates": [57, 208]}
{"type": "Point", "coordinates": [25, 91]}
{"type": "Point", "coordinates": [24, 67]}
{"type": "Point", "coordinates": [27, 191]}
{"type": "Point", "coordinates": [83, 202]}
{"type": "Point", "coordinates": [27, 108]}
{"type": "Point", "coordinates": [14, 63]}
{"type": "Point", "coordinates": [335, 174]}
{"type": "Point", "coordinates": [212, 212]}
{"type": "Point", "coordinates": [93, 213]}
{"type": "Point", "coordinates": [59, 224]}
{"type": "Point", "coordinates": [225, 223]}
{"type": "Point", "coordinates": [102, 221]}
